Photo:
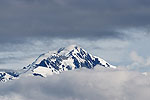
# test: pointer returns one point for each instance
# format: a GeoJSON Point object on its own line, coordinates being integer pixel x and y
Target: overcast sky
{"type": "Point", "coordinates": [71, 18]}
{"type": "Point", "coordinates": [113, 30]}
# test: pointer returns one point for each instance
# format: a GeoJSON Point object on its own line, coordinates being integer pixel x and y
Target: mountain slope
{"type": "Point", "coordinates": [69, 58]}
{"type": "Point", "coordinates": [6, 75]}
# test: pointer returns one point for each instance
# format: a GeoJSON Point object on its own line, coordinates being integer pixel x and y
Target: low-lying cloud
{"type": "Point", "coordinates": [83, 84]}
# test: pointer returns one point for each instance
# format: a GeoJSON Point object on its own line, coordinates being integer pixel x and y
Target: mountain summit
{"type": "Point", "coordinates": [66, 58]}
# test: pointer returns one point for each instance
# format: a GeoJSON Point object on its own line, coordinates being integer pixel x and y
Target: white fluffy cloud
{"type": "Point", "coordinates": [138, 62]}
{"type": "Point", "coordinates": [83, 84]}
{"type": "Point", "coordinates": [136, 58]}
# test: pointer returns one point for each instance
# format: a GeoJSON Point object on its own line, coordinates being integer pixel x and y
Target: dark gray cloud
{"type": "Point", "coordinates": [69, 18]}
{"type": "Point", "coordinates": [81, 84]}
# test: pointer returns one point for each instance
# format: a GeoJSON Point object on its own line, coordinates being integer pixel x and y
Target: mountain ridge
{"type": "Point", "coordinates": [56, 62]}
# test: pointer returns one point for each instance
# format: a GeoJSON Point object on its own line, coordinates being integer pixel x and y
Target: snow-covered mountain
{"type": "Point", "coordinates": [6, 75]}
{"type": "Point", "coordinates": [69, 58]}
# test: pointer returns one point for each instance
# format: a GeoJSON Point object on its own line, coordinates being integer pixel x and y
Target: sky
{"type": "Point", "coordinates": [117, 30]}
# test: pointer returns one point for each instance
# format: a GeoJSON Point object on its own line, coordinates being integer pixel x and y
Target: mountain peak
{"type": "Point", "coordinates": [67, 50]}
{"type": "Point", "coordinates": [72, 47]}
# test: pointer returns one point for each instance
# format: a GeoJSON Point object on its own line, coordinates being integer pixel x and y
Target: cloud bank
{"type": "Point", "coordinates": [96, 19]}
{"type": "Point", "coordinates": [83, 84]}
